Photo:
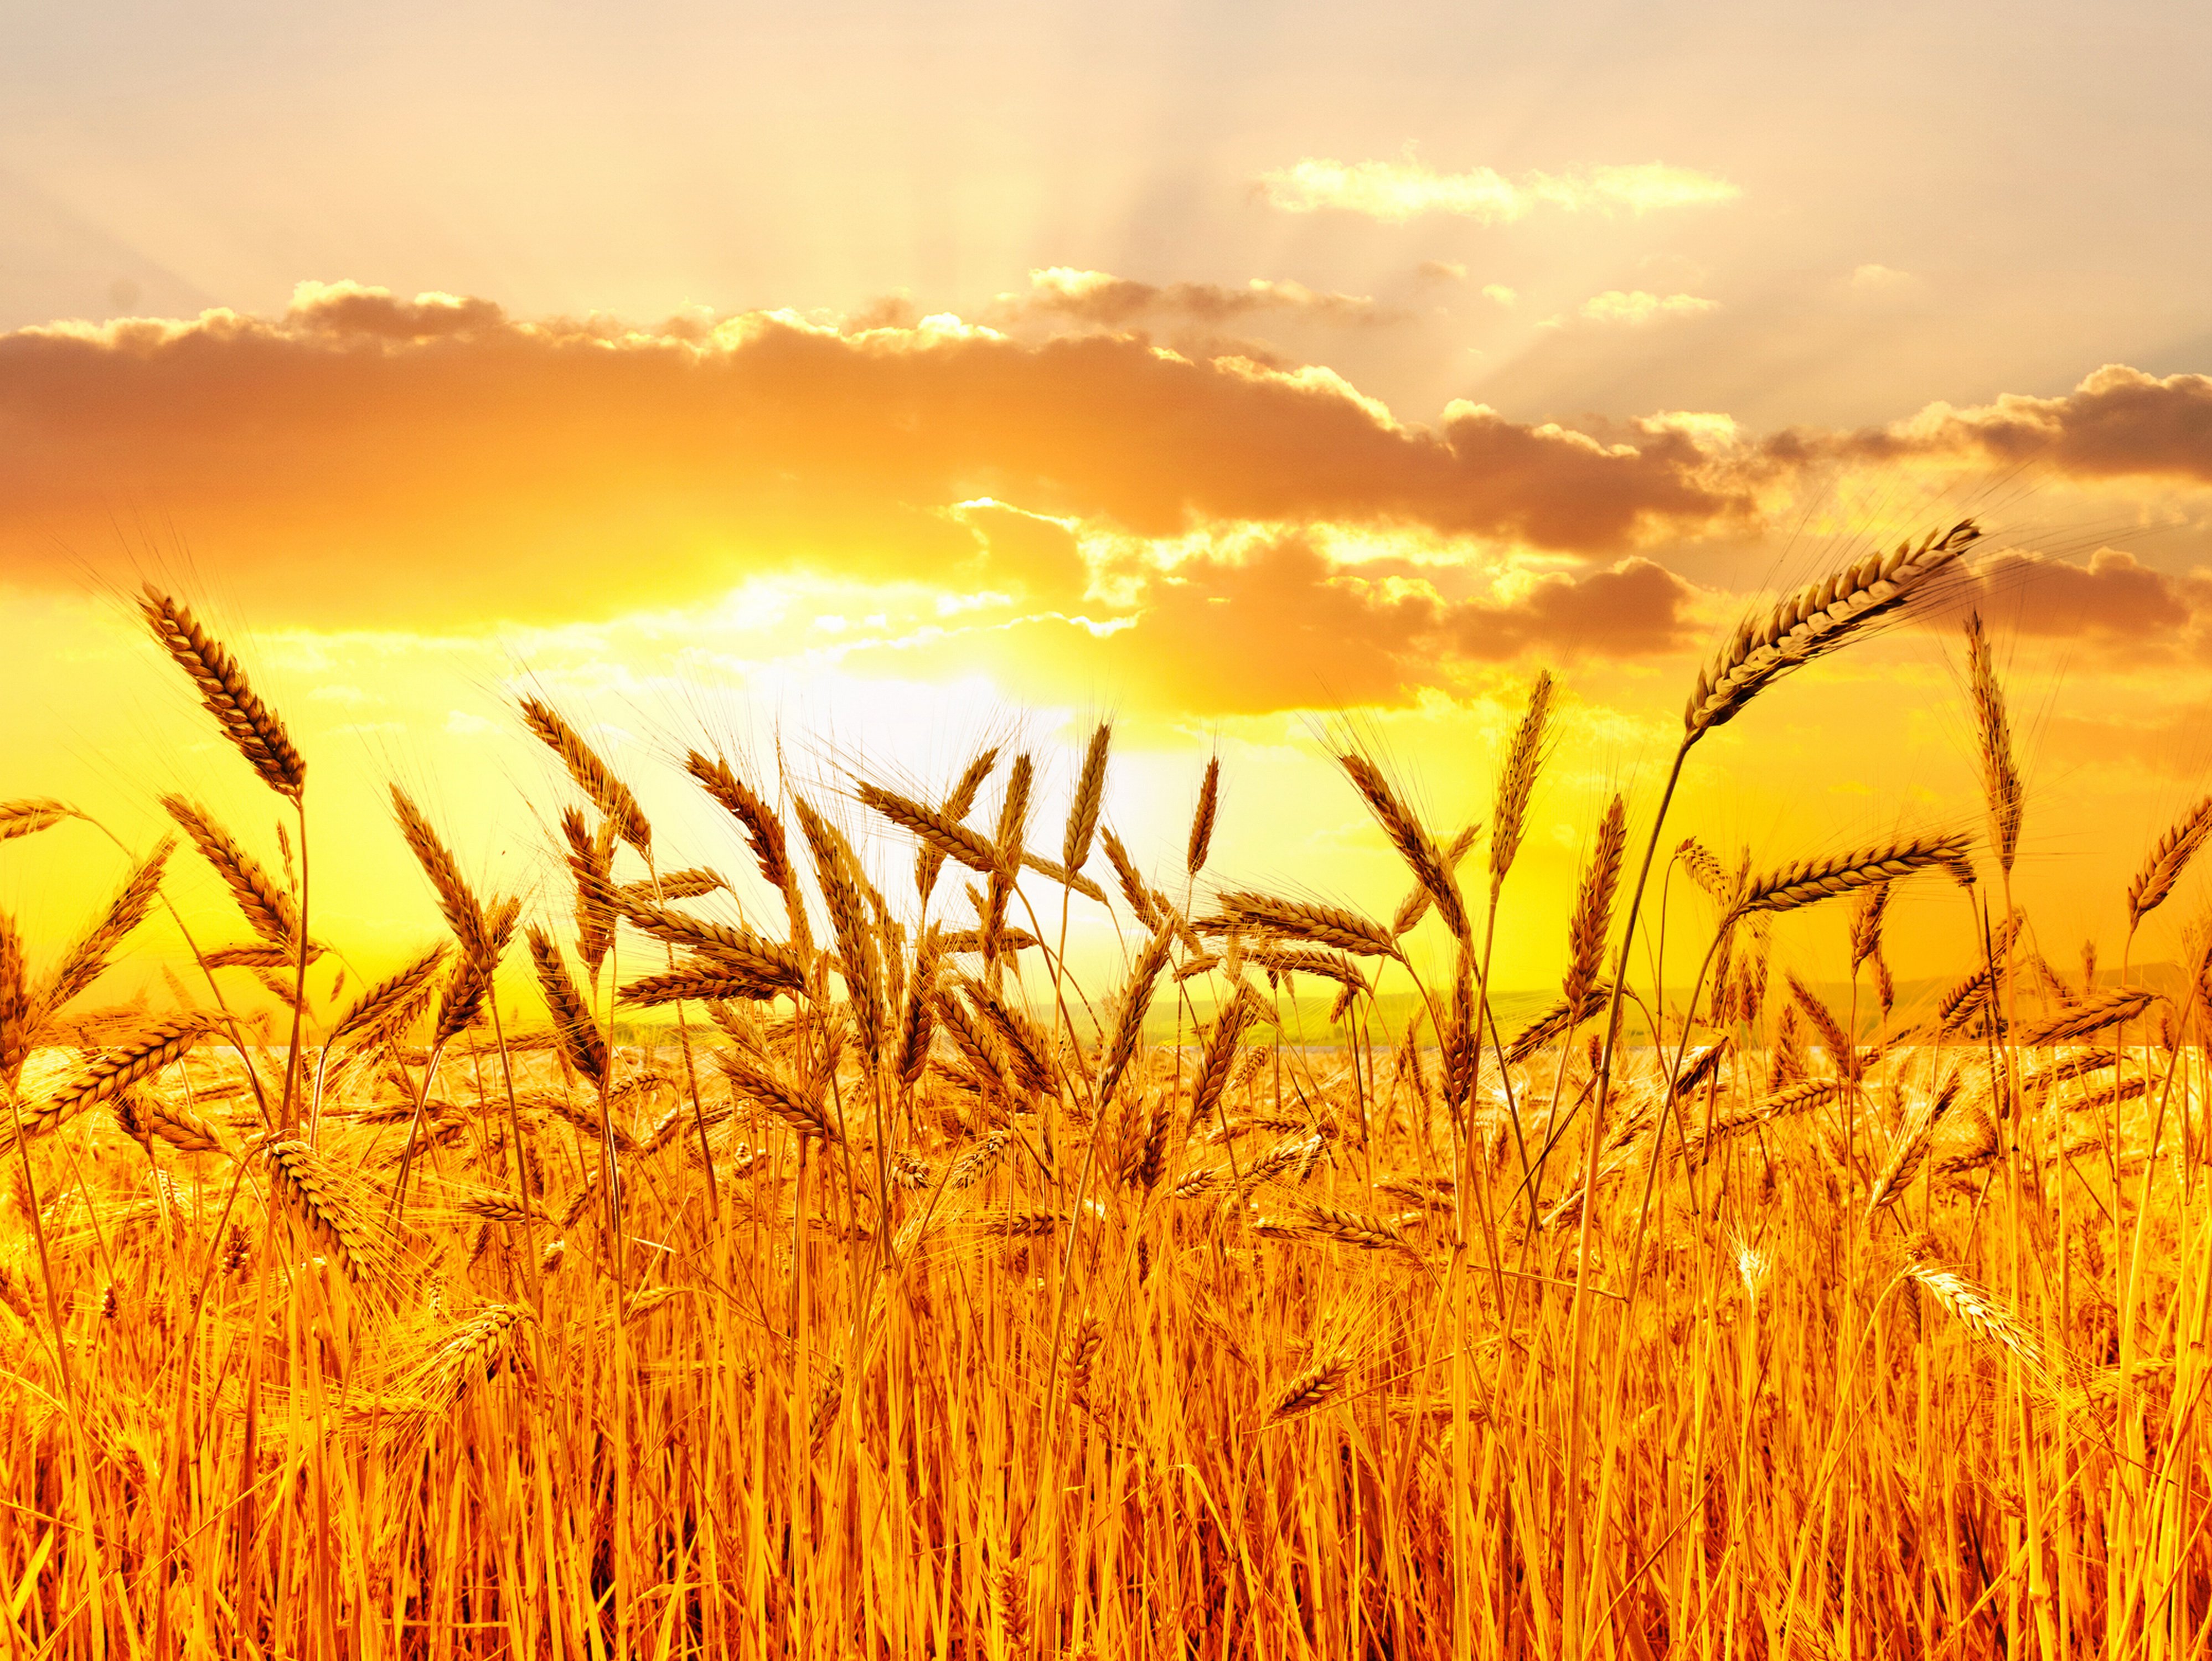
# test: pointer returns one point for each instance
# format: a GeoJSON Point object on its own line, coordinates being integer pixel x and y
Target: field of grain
{"type": "Point", "coordinates": [825, 1270]}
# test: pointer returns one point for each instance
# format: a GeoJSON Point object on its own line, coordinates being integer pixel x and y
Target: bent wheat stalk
{"type": "Point", "coordinates": [1818, 620]}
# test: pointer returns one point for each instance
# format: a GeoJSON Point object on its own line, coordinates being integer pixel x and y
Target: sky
{"type": "Point", "coordinates": [863, 384]}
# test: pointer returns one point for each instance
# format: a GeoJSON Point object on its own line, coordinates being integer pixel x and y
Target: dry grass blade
{"type": "Point", "coordinates": [248, 722]}
{"type": "Point", "coordinates": [1815, 621]}
{"type": "Point", "coordinates": [592, 775]}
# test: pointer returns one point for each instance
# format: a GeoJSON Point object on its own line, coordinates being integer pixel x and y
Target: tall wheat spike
{"type": "Point", "coordinates": [591, 774]}
{"type": "Point", "coordinates": [1817, 620]}
{"type": "Point", "coordinates": [1201, 820]}
{"type": "Point", "coordinates": [2161, 868]}
{"type": "Point", "coordinates": [249, 723]}
{"type": "Point", "coordinates": [2000, 781]}
{"type": "Point", "coordinates": [1517, 778]}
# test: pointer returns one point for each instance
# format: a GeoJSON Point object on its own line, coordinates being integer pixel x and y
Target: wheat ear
{"type": "Point", "coordinates": [2163, 868]}
{"type": "Point", "coordinates": [1089, 794]}
{"type": "Point", "coordinates": [1517, 779]}
{"type": "Point", "coordinates": [1816, 621]}
{"type": "Point", "coordinates": [592, 775]}
{"type": "Point", "coordinates": [1201, 820]}
{"type": "Point", "coordinates": [249, 723]}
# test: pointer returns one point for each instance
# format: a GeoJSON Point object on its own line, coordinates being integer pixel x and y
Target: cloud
{"type": "Point", "coordinates": [348, 308]}
{"type": "Point", "coordinates": [433, 463]}
{"type": "Point", "coordinates": [2114, 600]}
{"type": "Point", "coordinates": [1395, 192]}
{"type": "Point", "coordinates": [1881, 279]}
{"type": "Point", "coordinates": [1442, 271]}
{"type": "Point", "coordinates": [1636, 307]}
{"type": "Point", "coordinates": [1501, 293]}
{"type": "Point", "coordinates": [1114, 301]}
{"type": "Point", "coordinates": [2118, 423]}
{"type": "Point", "coordinates": [1280, 624]}
{"type": "Point", "coordinates": [1636, 608]}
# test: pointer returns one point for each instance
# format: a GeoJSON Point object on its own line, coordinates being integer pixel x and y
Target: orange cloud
{"type": "Point", "coordinates": [2118, 422]}
{"type": "Point", "coordinates": [370, 460]}
{"type": "Point", "coordinates": [1113, 301]}
{"type": "Point", "coordinates": [1283, 625]}
{"type": "Point", "coordinates": [1395, 192]}
{"type": "Point", "coordinates": [2115, 600]}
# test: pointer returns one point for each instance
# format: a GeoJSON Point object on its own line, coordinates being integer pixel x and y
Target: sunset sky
{"type": "Point", "coordinates": [901, 379]}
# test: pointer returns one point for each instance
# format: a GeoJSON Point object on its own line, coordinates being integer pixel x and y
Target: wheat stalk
{"type": "Point", "coordinates": [2001, 784]}
{"type": "Point", "coordinates": [1517, 779]}
{"type": "Point", "coordinates": [249, 723]}
{"type": "Point", "coordinates": [592, 775]}
{"type": "Point", "coordinates": [1815, 621]}
{"type": "Point", "coordinates": [29, 816]}
{"type": "Point", "coordinates": [1201, 819]}
{"type": "Point", "coordinates": [2163, 866]}
{"type": "Point", "coordinates": [1335, 926]}
{"type": "Point", "coordinates": [1089, 794]}
{"type": "Point", "coordinates": [947, 838]}
{"type": "Point", "coordinates": [581, 1041]}
{"type": "Point", "coordinates": [1434, 883]}
{"type": "Point", "coordinates": [1810, 881]}
{"type": "Point", "coordinates": [84, 962]}
{"type": "Point", "coordinates": [2097, 1012]}
{"type": "Point", "coordinates": [268, 909]}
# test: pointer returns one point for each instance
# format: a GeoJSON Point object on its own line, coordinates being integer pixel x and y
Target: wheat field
{"type": "Point", "coordinates": [818, 1269]}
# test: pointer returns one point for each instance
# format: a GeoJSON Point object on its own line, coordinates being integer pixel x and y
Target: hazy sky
{"type": "Point", "coordinates": [1222, 368]}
